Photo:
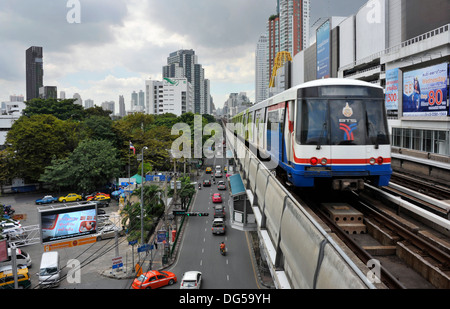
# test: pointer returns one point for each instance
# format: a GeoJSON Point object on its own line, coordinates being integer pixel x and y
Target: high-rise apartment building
{"type": "Point", "coordinates": [34, 71]}
{"type": "Point", "coordinates": [261, 74]}
{"type": "Point", "coordinates": [183, 64]}
{"type": "Point", "coordinates": [294, 25]}
{"type": "Point", "coordinates": [288, 30]}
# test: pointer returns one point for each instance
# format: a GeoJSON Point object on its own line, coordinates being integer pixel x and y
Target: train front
{"type": "Point", "coordinates": [341, 137]}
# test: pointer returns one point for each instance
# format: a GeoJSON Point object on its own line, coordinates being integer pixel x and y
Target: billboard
{"type": "Point", "coordinates": [425, 91]}
{"type": "Point", "coordinates": [392, 90]}
{"type": "Point", "coordinates": [67, 221]}
{"type": "Point", "coordinates": [323, 50]}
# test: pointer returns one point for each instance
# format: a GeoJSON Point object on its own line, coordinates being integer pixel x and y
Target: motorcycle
{"type": "Point", "coordinates": [8, 210]}
{"type": "Point", "coordinates": [199, 186]}
{"type": "Point", "coordinates": [223, 251]}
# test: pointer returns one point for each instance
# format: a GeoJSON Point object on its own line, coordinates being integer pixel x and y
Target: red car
{"type": "Point", "coordinates": [217, 198]}
{"type": "Point", "coordinates": [154, 279]}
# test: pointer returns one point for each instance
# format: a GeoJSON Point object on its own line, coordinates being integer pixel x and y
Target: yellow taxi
{"type": "Point", "coordinates": [7, 278]}
{"type": "Point", "coordinates": [71, 197]}
{"type": "Point", "coordinates": [208, 170]}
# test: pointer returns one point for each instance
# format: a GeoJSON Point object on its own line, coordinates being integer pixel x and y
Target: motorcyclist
{"type": "Point", "coordinates": [199, 185]}
{"type": "Point", "coordinates": [222, 247]}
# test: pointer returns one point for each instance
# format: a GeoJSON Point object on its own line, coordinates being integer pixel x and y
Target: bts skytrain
{"type": "Point", "coordinates": [330, 132]}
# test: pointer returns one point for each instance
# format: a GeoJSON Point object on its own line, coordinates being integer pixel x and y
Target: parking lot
{"type": "Point", "coordinates": [94, 258]}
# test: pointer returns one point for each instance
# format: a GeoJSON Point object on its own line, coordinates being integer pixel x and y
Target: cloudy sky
{"type": "Point", "coordinates": [119, 44]}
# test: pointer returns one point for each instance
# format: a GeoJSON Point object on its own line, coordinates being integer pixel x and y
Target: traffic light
{"type": "Point", "coordinates": [195, 214]}
{"type": "Point", "coordinates": [179, 212]}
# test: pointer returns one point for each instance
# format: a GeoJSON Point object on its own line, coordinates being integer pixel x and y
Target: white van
{"type": "Point", "coordinates": [49, 272]}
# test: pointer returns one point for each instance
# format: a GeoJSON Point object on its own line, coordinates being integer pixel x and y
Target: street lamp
{"type": "Point", "coordinates": [142, 195]}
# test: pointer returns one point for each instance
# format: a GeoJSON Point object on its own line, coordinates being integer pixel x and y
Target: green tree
{"type": "Point", "coordinates": [91, 165]}
{"type": "Point", "coordinates": [153, 209]}
{"type": "Point", "coordinates": [61, 109]}
{"type": "Point", "coordinates": [34, 141]}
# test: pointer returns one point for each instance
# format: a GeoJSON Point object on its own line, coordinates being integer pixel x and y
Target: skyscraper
{"type": "Point", "coordinates": [122, 111]}
{"type": "Point", "coordinates": [288, 30]}
{"type": "Point", "coordinates": [261, 74]}
{"type": "Point", "coordinates": [183, 64]}
{"type": "Point", "coordinates": [34, 71]}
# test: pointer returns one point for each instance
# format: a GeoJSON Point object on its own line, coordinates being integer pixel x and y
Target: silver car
{"type": "Point", "coordinates": [191, 280]}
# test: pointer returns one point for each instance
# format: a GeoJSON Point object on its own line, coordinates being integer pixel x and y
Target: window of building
{"type": "Point", "coordinates": [431, 141]}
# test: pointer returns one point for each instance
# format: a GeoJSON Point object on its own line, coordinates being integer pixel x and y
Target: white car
{"type": "Point", "coordinates": [191, 280]}
{"type": "Point", "coordinates": [11, 229]}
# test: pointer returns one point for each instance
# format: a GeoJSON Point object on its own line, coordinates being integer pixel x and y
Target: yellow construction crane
{"type": "Point", "coordinates": [281, 58]}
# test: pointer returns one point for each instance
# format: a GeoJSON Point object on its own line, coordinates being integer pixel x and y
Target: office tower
{"type": "Point", "coordinates": [78, 100]}
{"type": "Point", "coordinates": [261, 74]}
{"type": "Point", "coordinates": [183, 64]}
{"type": "Point", "coordinates": [48, 92]}
{"type": "Point", "coordinates": [62, 95]}
{"type": "Point", "coordinates": [141, 99]}
{"type": "Point", "coordinates": [88, 103]}
{"type": "Point", "coordinates": [34, 71]}
{"type": "Point", "coordinates": [109, 106]}
{"type": "Point", "coordinates": [16, 98]}
{"type": "Point", "coordinates": [122, 111]}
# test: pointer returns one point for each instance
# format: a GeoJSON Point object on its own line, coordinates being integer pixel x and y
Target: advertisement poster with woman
{"type": "Point", "coordinates": [425, 91]}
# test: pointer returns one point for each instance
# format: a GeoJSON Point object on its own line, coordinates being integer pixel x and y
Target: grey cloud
{"type": "Point", "coordinates": [219, 24]}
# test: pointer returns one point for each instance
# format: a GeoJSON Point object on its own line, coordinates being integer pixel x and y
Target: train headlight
{"type": "Point", "coordinates": [324, 161]}
{"type": "Point", "coordinates": [313, 161]}
{"type": "Point", "coordinates": [380, 160]}
{"type": "Point", "coordinates": [372, 161]}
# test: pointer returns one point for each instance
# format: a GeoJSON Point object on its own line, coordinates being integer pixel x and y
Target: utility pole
{"type": "Point", "coordinates": [142, 195]}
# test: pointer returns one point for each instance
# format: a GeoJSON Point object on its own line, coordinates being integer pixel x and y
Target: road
{"type": "Point", "coordinates": [199, 249]}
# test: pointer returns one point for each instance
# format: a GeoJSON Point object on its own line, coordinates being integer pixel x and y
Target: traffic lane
{"type": "Point", "coordinates": [200, 250]}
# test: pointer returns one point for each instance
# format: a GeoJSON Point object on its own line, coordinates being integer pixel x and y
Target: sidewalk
{"type": "Point", "coordinates": [151, 260]}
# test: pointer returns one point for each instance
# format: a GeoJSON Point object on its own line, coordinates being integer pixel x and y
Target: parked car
{"type": "Point", "coordinates": [219, 211]}
{"type": "Point", "coordinates": [191, 280]}
{"type": "Point", "coordinates": [154, 279]}
{"type": "Point", "coordinates": [48, 199]}
{"type": "Point", "coordinates": [22, 258]}
{"type": "Point", "coordinates": [218, 226]}
{"type": "Point", "coordinates": [11, 229]}
{"type": "Point", "coordinates": [221, 185]}
{"type": "Point", "coordinates": [207, 183]}
{"type": "Point", "coordinates": [217, 198]}
{"type": "Point", "coordinates": [71, 197]}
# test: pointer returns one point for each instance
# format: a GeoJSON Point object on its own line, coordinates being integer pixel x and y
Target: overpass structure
{"type": "Point", "coordinates": [299, 252]}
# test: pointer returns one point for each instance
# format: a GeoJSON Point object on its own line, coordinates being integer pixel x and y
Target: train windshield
{"type": "Point", "coordinates": [342, 122]}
